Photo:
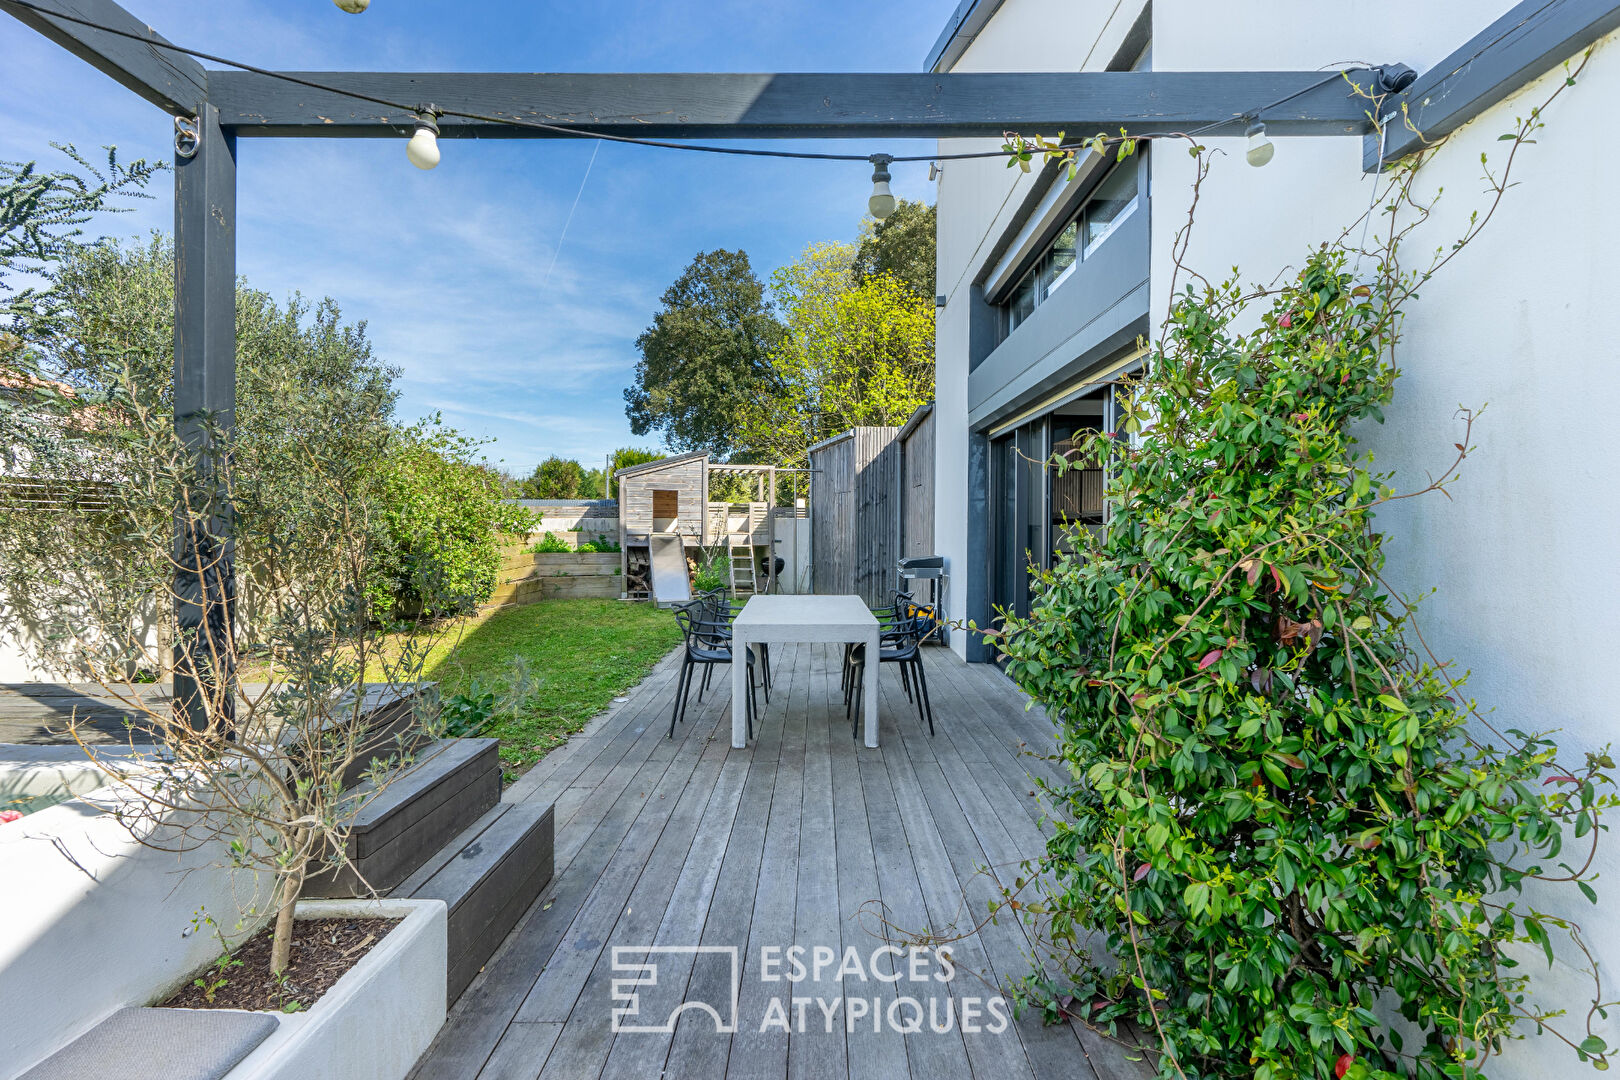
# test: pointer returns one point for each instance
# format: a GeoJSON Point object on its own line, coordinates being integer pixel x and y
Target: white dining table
{"type": "Point", "coordinates": [795, 619]}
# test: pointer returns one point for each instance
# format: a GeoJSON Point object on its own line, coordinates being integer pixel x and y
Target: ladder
{"type": "Point", "coordinates": [740, 548]}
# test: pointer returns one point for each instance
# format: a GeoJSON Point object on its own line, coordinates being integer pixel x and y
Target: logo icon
{"type": "Point", "coordinates": [644, 976]}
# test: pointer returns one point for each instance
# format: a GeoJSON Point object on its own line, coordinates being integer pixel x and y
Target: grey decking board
{"type": "Point", "coordinates": [816, 1053]}
{"type": "Point", "coordinates": [930, 1055]}
{"type": "Point", "coordinates": [1001, 1058]}
{"type": "Point", "coordinates": [490, 1003]}
{"type": "Point", "coordinates": [559, 984]}
{"type": "Point", "coordinates": [756, 832]}
{"type": "Point", "coordinates": [755, 1053]}
{"type": "Point", "coordinates": [521, 1052]}
{"type": "Point", "coordinates": [696, 1050]}
{"type": "Point", "coordinates": [879, 1054]}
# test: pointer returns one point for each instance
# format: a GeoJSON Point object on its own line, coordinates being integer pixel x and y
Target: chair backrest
{"type": "Point", "coordinates": [697, 628]}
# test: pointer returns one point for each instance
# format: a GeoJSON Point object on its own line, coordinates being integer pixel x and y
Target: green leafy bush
{"type": "Point", "coordinates": [714, 572]}
{"type": "Point", "coordinates": [550, 543]}
{"type": "Point", "coordinates": [1286, 817]}
{"type": "Point", "coordinates": [444, 515]}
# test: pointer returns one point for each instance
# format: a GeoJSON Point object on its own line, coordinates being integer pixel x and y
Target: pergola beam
{"type": "Point", "coordinates": [1528, 41]}
{"type": "Point", "coordinates": [803, 105]}
{"type": "Point", "coordinates": [170, 80]}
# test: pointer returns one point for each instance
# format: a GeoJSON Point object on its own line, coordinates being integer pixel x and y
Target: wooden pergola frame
{"type": "Point", "coordinates": [220, 106]}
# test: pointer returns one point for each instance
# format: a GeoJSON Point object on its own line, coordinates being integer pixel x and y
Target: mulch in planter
{"type": "Point", "coordinates": [322, 951]}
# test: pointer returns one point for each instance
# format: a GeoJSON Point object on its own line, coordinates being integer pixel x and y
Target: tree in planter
{"type": "Point", "coordinates": [268, 778]}
{"type": "Point", "coordinates": [266, 775]}
{"type": "Point", "coordinates": [1286, 817]}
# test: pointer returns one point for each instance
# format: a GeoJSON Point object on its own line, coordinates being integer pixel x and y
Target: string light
{"type": "Point", "coordinates": [1389, 78]}
{"type": "Point", "coordinates": [882, 203]}
{"type": "Point", "coordinates": [423, 149]}
{"type": "Point", "coordinates": [1261, 149]}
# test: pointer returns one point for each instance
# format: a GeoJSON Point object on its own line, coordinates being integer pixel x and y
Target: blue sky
{"type": "Point", "coordinates": [453, 269]}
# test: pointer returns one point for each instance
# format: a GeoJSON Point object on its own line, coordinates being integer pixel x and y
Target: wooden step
{"type": "Point", "coordinates": [487, 876]}
{"type": "Point", "coordinates": [454, 783]}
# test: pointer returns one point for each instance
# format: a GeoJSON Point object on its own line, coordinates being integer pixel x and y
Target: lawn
{"type": "Point", "coordinates": [586, 652]}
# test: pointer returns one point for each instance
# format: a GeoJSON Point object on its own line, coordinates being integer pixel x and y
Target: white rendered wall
{"type": "Point", "coordinates": [1522, 559]}
{"type": "Point", "coordinates": [91, 921]}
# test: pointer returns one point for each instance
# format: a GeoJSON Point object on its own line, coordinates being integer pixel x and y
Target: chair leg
{"type": "Point", "coordinates": [765, 670]}
{"type": "Point", "coordinates": [680, 686]}
{"type": "Point", "coordinates": [686, 695]}
{"type": "Point", "coordinates": [753, 705]}
{"type": "Point", "coordinates": [703, 684]}
{"type": "Point", "coordinates": [857, 678]}
{"type": "Point", "coordinates": [905, 680]}
{"type": "Point", "coordinates": [922, 684]}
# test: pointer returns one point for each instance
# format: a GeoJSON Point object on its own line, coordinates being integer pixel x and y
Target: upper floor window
{"type": "Point", "coordinates": [1110, 204]}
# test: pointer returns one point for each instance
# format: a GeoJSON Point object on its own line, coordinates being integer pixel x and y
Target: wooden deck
{"type": "Point", "coordinates": [686, 842]}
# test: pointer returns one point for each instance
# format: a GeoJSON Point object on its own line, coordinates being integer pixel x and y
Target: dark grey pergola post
{"type": "Point", "coordinates": [205, 411]}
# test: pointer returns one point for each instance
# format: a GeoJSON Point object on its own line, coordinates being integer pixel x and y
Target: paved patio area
{"type": "Point", "coordinates": [686, 842]}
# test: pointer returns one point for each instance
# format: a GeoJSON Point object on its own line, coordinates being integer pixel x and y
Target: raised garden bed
{"type": "Point", "coordinates": [530, 576]}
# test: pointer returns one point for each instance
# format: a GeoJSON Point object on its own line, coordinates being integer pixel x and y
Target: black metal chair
{"type": "Point", "coordinates": [719, 608]}
{"type": "Point", "coordinates": [902, 646]}
{"type": "Point", "coordinates": [705, 646]}
{"type": "Point", "coordinates": [887, 618]}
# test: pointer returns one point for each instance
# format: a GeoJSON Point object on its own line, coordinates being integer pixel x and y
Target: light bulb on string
{"type": "Point", "coordinates": [1261, 149]}
{"type": "Point", "coordinates": [882, 202]}
{"type": "Point", "coordinates": [423, 149]}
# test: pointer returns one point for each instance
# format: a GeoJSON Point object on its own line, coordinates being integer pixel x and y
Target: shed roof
{"type": "Point", "coordinates": [662, 463]}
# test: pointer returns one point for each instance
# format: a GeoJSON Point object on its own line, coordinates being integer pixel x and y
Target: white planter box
{"type": "Point", "coordinates": [378, 1018]}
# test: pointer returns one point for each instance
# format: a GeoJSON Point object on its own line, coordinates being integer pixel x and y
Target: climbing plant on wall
{"type": "Point", "coordinates": [1304, 845]}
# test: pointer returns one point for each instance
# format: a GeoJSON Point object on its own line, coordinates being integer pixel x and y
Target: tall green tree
{"type": "Point", "coordinates": [705, 357]}
{"type": "Point", "coordinates": [626, 456]}
{"type": "Point", "coordinates": [853, 355]}
{"type": "Point", "coordinates": [903, 246]}
{"type": "Point", "coordinates": [556, 478]}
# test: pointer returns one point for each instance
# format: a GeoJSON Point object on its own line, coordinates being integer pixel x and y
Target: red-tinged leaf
{"type": "Point", "coordinates": [1141, 872]}
{"type": "Point", "coordinates": [1461, 447]}
{"type": "Point", "coordinates": [1293, 761]}
{"type": "Point", "coordinates": [1209, 658]}
{"type": "Point", "coordinates": [1276, 575]}
{"type": "Point", "coordinates": [1096, 1006]}
{"type": "Point", "coordinates": [1342, 1066]}
{"type": "Point", "coordinates": [1559, 780]}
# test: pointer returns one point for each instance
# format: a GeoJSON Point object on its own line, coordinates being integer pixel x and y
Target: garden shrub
{"type": "Point", "coordinates": [550, 543]}
{"type": "Point", "coordinates": [444, 516]}
{"type": "Point", "coordinates": [1285, 817]}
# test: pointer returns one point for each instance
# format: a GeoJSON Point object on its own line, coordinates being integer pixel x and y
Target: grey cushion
{"type": "Point", "coordinates": [159, 1044]}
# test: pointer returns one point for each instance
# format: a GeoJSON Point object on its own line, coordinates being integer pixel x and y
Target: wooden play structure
{"type": "Point", "coordinates": [668, 520]}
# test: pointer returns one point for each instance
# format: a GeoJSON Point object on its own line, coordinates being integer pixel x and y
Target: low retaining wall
{"type": "Point", "coordinates": [528, 577]}
{"type": "Point", "coordinates": [101, 922]}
